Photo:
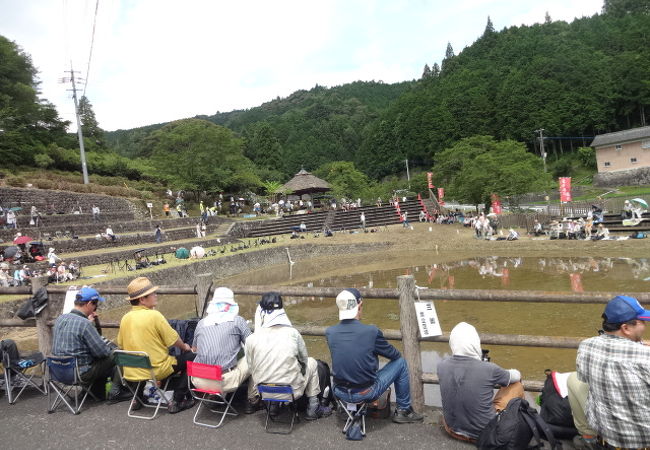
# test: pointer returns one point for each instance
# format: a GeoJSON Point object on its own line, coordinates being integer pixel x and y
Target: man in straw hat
{"type": "Point", "coordinates": [144, 329]}
{"type": "Point", "coordinates": [218, 339]}
{"type": "Point", "coordinates": [355, 348]}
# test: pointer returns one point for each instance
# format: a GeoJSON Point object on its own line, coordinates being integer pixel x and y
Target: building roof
{"type": "Point", "coordinates": [304, 182]}
{"type": "Point", "coordinates": [634, 134]}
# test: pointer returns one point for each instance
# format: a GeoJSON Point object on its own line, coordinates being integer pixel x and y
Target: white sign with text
{"type": "Point", "coordinates": [427, 319]}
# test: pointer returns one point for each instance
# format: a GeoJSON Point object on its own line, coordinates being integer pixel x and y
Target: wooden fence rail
{"type": "Point", "coordinates": [406, 293]}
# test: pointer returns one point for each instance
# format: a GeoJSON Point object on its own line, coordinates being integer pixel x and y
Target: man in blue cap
{"type": "Point", "coordinates": [616, 367]}
{"type": "Point", "coordinates": [355, 348]}
{"type": "Point", "coordinates": [75, 334]}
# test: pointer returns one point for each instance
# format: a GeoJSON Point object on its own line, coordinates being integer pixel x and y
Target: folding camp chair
{"type": "Point", "coordinates": [18, 377]}
{"type": "Point", "coordinates": [354, 412]}
{"type": "Point", "coordinates": [281, 394]}
{"type": "Point", "coordinates": [63, 379]}
{"type": "Point", "coordinates": [140, 360]}
{"type": "Point", "coordinates": [209, 372]}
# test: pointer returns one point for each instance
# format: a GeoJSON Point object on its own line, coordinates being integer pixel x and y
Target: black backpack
{"type": "Point", "coordinates": [556, 411]}
{"type": "Point", "coordinates": [514, 427]}
{"type": "Point", "coordinates": [326, 396]}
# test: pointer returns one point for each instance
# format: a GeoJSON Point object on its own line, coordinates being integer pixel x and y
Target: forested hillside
{"type": "Point", "coordinates": [573, 80]}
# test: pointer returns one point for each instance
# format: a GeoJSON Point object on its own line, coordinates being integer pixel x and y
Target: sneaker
{"type": "Point", "coordinates": [320, 411]}
{"type": "Point", "coordinates": [135, 405]}
{"type": "Point", "coordinates": [582, 443]}
{"type": "Point", "coordinates": [251, 406]}
{"type": "Point", "coordinates": [407, 416]}
{"type": "Point", "coordinates": [178, 406]}
{"type": "Point", "coordinates": [119, 396]}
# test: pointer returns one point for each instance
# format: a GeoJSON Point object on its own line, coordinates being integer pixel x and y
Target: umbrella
{"type": "Point", "coordinates": [491, 214]}
{"type": "Point", "coordinates": [10, 252]}
{"type": "Point", "coordinates": [641, 202]}
{"type": "Point", "coordinates": [22, 240]}
{"type": "Point", "coordinates": [16, 208]}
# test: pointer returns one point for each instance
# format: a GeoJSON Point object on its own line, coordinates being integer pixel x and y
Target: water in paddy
{"type": "Point", "coordinates": [381, 271]}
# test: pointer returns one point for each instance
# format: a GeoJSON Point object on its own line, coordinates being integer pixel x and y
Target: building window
{"type": "Point", "coordinates": [645, 144]}
{"type": "Point", "coordinates": [633, 160]}
{"type": "Point", "coordinates": [619, 147]}
{"type": "Point", "coordinates": [607, 164]}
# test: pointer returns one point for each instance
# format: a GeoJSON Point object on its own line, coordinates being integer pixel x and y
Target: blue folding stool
{"type": "Point", "coordinates": [282, 394]}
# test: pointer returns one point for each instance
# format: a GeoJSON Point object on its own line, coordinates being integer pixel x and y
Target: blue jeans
{"type": "Point", "coordinates": [396, 372]}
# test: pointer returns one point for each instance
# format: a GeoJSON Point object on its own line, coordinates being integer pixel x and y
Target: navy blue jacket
{"type": "Point", "coordinates": [354, 347]}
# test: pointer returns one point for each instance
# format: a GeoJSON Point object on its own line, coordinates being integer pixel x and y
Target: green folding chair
{"type": "Point", "coordinates": [140, 360]}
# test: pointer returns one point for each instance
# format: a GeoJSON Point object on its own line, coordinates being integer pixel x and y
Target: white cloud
{"type": "Point", "coordinates": [156, 61]}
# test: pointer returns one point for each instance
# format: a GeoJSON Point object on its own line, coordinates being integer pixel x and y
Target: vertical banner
{"type": "Point", "coordinates": [496, 204]}
{"type": "Point", "coordinates": [430, 179]}
{"type": "Point", "coordinates": [565, 189]}
{"type": "Point", "coordinates": [441, 194]}
{"type": "Point", "coordinates": [505, 278]}
{"type": "Point", "coordinates": [576, 282]}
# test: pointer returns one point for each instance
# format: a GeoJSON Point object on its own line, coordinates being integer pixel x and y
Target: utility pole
{"type": "Point", "coordinates": [82, 151]}
{"type": "Point", "coordinates": [408, 176]}
{"type": "Point", "coordinates": [541, 145]}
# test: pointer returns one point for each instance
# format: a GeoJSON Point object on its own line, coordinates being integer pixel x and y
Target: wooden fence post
{"type": "Point", "coordinates": [43, 331]}
{"type": "Point", "coordinates": [203, 283]}
{"type": "Point", "coordinates": [410, 333]}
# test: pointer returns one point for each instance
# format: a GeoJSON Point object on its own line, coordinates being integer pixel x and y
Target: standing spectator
{"type": "Point", "coordinates": [615, 366]}
{"type": "Point", "coordinates": [198, 230]}
{"type": "Point", "coordinates": [158, 234]}
{"type": "Point", "coordinates": [378, 202]}
{"type": "Point", "coordinates": [362, 219]}
{"type": "Point", "coordinates": [95, 211]}
{"type": "Point", "coordinates": [11, 219]}
{"type": "Point", "coordinates": [422, 217]}
{"type": "Point", "coordinates": [52, 258]}
{"type": "Point", "coordinates": [35, 217]}
{"type": "Point", "coordinates": [166, 209]}
{"type": "Point", "coordinates": [179, 210]}
{"type": "Point", "coordinates": [405, 220]}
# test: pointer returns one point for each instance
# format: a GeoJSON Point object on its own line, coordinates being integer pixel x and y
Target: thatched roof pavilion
{"type": "Point", "coordinates": [305, 183]}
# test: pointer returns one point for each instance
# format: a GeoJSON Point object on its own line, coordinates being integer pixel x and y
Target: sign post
{"type": "Point", "coordinates": [150, 205]}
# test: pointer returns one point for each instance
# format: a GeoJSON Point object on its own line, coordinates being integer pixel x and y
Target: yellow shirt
{"type": "Point", "coordinates": [147, 330]}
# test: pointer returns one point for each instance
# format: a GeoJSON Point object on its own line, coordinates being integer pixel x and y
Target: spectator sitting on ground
{"type": "Point", "coordinates": [512, 235]}
{"type": "Point", "coordinates": [355, 348]}
{"type": "Point", "coordinates": [612, 385]}
{"type": "Point", "coordinates": [276, 353]}
{"type": "Point", "coordinates": [197, 252]}
{"type": "Point", "coordinates": [75, 335]}
{"type": "Point", "coordinates": [109, 235]}
{"type": "Point", "coordinates": [601, 233]}
{"type": "Point", "coordinates": [467, 385]}
{"type": "Point", "coordinates": [537, 228]}
{"type": "Point", "coordinates": [143, 329]}
{"type": "Point", "coordinates": [6, 280]}
{"type": "Point", "coordinates": [218, 339]}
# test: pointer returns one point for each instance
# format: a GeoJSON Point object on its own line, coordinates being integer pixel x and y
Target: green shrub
{"type": "Point", "coordinates": [16, 181]}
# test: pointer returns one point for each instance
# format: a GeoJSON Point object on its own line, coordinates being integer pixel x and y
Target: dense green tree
{"type": "Point", "coordinates": [345, 179]}
{"type": "Point", "coordinates": [479, 166]}
{"type": "Point", "coordinates": [27, 123]}
{"type": "Point", "coordinates": [489, 27]}
{"type": "Point", "coordinates": [426, 73]}
{"type": "Point", "coordinates": [623, 7]}
{"type": "Point", "coordinates": [197, 155]}
{"type": "Point", "coordinates": [89, 125]}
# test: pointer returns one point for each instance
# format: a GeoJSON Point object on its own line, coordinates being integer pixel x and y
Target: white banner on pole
{"type": "Point", "coordinates": [427, 319]}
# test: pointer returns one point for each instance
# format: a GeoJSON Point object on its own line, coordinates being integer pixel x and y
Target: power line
{"type": "Point", "coordinates": [92, 43]}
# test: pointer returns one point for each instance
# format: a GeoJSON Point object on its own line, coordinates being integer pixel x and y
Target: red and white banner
{"type": "Point", "coordinates": [441, 193]}
{"type": "Point", "coordinates": [565, 189]}
{"type": "Point", "coordinates": [496, 204]}
{"type": "Point", "coordinates": [576, 282]}
{"type": "Point", "coordinates": [430, 179]}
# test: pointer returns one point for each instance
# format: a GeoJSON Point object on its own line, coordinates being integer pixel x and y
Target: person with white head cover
{"type": "Point", "coordinates": [276, 353]}
{"type": "Point", "coordinates": [355, 348]}
{"type": "Point", "coordinates": [467, 385]}
{"type": "Point", "coordinates": [218, 340]}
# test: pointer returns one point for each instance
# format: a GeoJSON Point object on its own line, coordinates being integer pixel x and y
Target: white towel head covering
{"type": "Point", "coordinates": [464, 341]}
{"type": "Point", "coordinates": [222, 308]}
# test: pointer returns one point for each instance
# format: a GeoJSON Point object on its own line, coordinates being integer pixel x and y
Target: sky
{"type": "Point", "coordinates": [155, 61]}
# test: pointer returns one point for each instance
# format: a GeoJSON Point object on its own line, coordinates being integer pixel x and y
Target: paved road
{"type": "Point", "coordinates": [26, 425]}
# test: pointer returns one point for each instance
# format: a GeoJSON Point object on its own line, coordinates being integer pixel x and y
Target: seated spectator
{"type": "Point", "coordinates": [144, 329]}
{"type": "Point", "coordinates": [75, 334]}
{"type": "Point", "coordinates": [537, 228]}
{"type": "Point", "coordinates": [276, 353]}
{"type": "Point", "coordinates": [355, 348]}
{"type": "Point", "coordinates": [467, 385]}
{"type": "Point", "coordinates": [218, 339]}
{"type": "Point", "coordinates": [615, 367]}
{"type": "Point", "coordinates": [6, 279]}
{"type": "Point", "coordinates": [109, 235]}
{"type": "Point", "coordinates": [197, 252]}
{"type": "Point", "coordinates": [512, 235]}
{"type": "Point", "coordinates": [25, 276]}
{"type": "Point", "coordinates": [601, 233]}
{"type": "Point", "coordinates": [627, 210]}
{"type": "Point", "coordinates": [52, 258]}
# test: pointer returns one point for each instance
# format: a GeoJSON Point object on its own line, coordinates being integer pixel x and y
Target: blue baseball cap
{"type": "Point", "coordinates": [622, 308]}
{"type": "Point", "coordinates": [88, 294]}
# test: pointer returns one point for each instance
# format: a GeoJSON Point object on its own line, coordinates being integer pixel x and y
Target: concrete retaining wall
{"type": "Point", "coordinates": [632, 177]}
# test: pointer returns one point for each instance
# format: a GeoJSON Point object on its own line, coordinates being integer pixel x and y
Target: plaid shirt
{"type": "Point", "coordinates": [618, 373]}
{"type": "Point", "coordinates": [75, 335]}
